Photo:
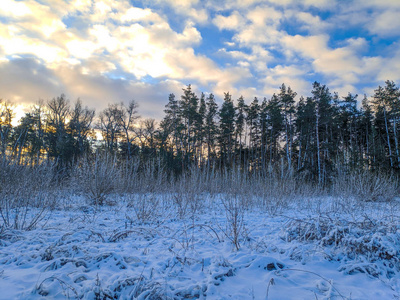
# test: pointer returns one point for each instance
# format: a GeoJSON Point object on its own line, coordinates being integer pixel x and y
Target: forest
{"type": "Point", "coordinates": [314, 138]}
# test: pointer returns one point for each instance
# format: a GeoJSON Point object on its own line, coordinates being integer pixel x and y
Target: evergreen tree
{"type": "Point", "coordinates": [323, 126]}
{"type": "Point", "coordinates": [6, 116]}
{"type": "Point", "coordinates": [189, 113]}
{"type": "Point", "coordinates": [264, 123]}
{"type": "Point", "coordinates": [200, 128]}
{"type": "Point", "coordinates": [382, 126]}
{"type": "Point", "coordinates": [240, 118]}
{"type": "Point", "coordinates": [252, 121]}
{"type": "Point", "coordinates": [286, 97]}
{"type": "Point", "coordinates": [172, 125]}
{"type": "Point", "coordinates": [367, 132]}
{"type": "Point", "coordinates": [392, 97]}
{"type": "Point", "coordinates": [305, 128]}
{"type": "Point", "coordinates": [275, 126]}
{"type": "Point", "coordinates": [210, 126]}
{"type": "Point", "coordinates": [227, 129]}
{"type": "Point", "coordinates": [346, 127]}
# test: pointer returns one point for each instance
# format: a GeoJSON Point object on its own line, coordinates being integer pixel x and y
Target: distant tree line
{"type": "Point", "coordinates": [313, 138]}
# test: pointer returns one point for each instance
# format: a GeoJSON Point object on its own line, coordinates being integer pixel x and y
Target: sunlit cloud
{"type": "Point", "coordinates": [104, 51]}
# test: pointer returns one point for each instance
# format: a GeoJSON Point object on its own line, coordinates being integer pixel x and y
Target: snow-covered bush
{"type": "Point", "coordinates": [367, 245]}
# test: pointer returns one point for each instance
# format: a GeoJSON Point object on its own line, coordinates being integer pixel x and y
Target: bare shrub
{"type": "Point", "coordinates": [275, 189]}
{"type": "Point", "coordinates": [145, 206]}
{"type": "Point", "coordinates": [187, 192]}
{"type": "Point", "coordinates": [151, 178]}
{"type": "Point", "coordinates": [26, 194]}
{"type": "Point", "coordinates": [128, 175]}
{"type": "Point", "coordinates": [366, 186]}
{"type": "Point", "coordinates": [97, 178]}
{"type": "Point", "coordinates": [234, 213]}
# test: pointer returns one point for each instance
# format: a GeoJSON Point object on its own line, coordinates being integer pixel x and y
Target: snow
{"type": "Point", "coordinates": [306, 249]}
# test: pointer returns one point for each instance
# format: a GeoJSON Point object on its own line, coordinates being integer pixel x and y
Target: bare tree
{"type": "Point", "coordinates": [127, 120]}
{"type": "Point", "coordinates": [110, 125]}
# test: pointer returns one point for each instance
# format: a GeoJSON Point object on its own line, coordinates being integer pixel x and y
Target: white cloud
{"type": "Point", "coordinates": [385, 4]}
{"type": "Point", "coordinates": [311, 23]}
{"type": "Point", "coordinates": [264, 15]}
{"type": "Point", "coordinates": [15, 9]}
{"type": "Point", "coordinates": [291, 75]}
{"type": "Point", "coordinates": [385, 24]}
{"type": "Point", "coordinates": [231, 22]}
{"type": "Point", "coordinates": [136, 14]}
{"type": "Point", "coordinates": [308, 46]}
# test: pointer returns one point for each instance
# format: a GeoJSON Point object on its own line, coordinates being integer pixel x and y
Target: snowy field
{"type": "Point", "coordinates": [206, 247]}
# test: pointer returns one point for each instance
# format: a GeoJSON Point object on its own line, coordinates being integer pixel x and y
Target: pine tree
{"type": "Point", "coordinates": [346, 119]}
{"type": "Point", "coordinates": [252, 121]}
{"type": "Point", "coordinates": [264, 123]}
{"type": "Point", "coordinates": [210, 127]}
{"type": "Point", "coordinates": [305, 128]}
{"type": "Point", "coordinates": [367, 132]}
{"type": "Point", "coordinates": [382, 126]}
{"type": "Point", "coordinates": [200, 128]}
{"type": "Point", "coordinates": [189, 113]}
{"type": "Point", "coordinates": [323, 126]}
{"type": "Point", "coordinates": [392, 97]}
{"type": "Point", "coordinates": [275, 127]}
{"type": "Point", "coordinates": [6, 116]}
{"type": "Point", "coordinates": [227, 129]}
{"type": "Point", "coordinates": [172, 125]}
{"type": "Point", "coordinates": [286, 98]}
{"type": "Point", "coordinates": [240, 118]}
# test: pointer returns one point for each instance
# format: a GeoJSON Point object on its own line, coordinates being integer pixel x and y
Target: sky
{"type": "Point", "coordinates": [109, 51]}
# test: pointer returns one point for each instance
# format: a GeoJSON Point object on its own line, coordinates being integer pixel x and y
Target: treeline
{"type": "Point", "coordinates": [313, 138]}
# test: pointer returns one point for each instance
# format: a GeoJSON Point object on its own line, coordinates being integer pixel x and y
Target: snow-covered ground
{"type": "Point", "coordinates": [158, 247]}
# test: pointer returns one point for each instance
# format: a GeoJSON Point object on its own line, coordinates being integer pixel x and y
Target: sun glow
{"type": "Point", "coordinates": [19, 112]}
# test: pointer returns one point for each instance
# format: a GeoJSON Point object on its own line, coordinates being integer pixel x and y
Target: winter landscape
{"type": "Point", "coordinates": [199, 149]}
{"type": "Point", "coordinates": [203, 237]}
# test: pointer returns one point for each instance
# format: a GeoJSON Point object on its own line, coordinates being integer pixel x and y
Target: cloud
{"type": "Point", "coordinates": [231, 22]}
{"type": "Point", "coordinates": [388, 69]}
{"type": "Point", "coordinates": [28, 80]}
{"type": "Point", "coordinates": [292, 75]}
{"type": "Point", "coordinates": [309, 22]}
{"type": "Point", "coordinates": [309, 47]}
{"type": "Point", "coordinates": [14, 9]}
{"type": "Point", "coordinates": [385, 24]}
{"type": "Point", "coordinates": [258, 59]}
{"type": "Point", "coordinates": [116, 49]}
{"type": "Point", "coordinates": [384, 4]}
